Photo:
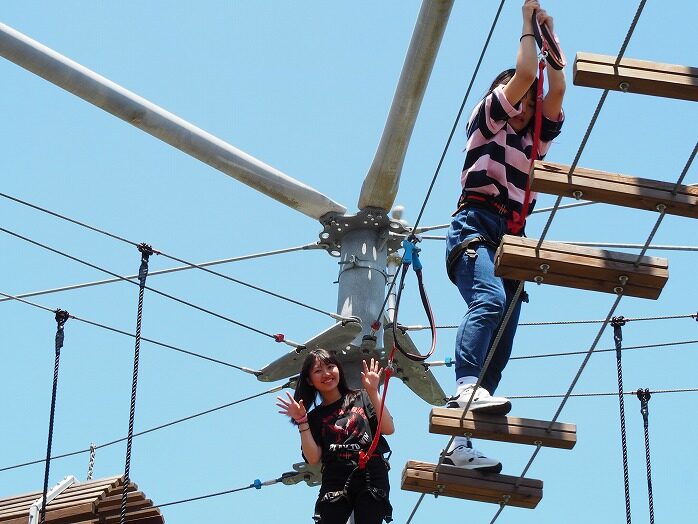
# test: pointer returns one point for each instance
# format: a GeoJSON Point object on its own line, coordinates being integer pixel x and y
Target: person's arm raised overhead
{"type": "Point", "coordinates": [526, 59]}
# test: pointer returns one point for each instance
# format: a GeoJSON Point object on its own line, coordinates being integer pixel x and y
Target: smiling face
{"type": "Point", "coordinates": [324, 377]}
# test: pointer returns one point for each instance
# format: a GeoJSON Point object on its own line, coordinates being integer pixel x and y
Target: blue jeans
{"type": "Point", "coordinates": [487, 296]}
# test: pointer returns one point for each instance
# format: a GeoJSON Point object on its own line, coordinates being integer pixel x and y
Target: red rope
{"type": "Point", "coordinates": [518, 220]}
{"type": "Point", "coordinates": [364, 457]}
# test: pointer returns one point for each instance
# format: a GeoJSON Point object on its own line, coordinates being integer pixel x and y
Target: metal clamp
{"type": "Point", "coordinates": [355, 262]}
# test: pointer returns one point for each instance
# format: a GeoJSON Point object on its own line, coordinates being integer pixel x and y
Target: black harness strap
{"type": "Point", "coordinates": [549, 43]}
{"type": "Point", "coordinates": [411, 257]}
{"type": "Point", "coordinates": [468, 246]}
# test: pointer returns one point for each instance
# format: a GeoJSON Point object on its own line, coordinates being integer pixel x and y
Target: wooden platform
{"type": "Point", "coordinates": [614, 188]}
{"type": "Point", "coordinates": [451, 481]}
{"type": "Point", "coordinates": [447, 421]}
{"type": "Point", "coordinates": [636, 76]}
{"type": "Point", "coordinates": [580, 267]}
{"type": "Point", "coordinates": [94, 502]}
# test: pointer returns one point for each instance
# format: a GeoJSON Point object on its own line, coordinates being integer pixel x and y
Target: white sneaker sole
{"type": "Point", "coordinates": [482, 468]}
{"type": "Point", "coordinates": [482, 406]}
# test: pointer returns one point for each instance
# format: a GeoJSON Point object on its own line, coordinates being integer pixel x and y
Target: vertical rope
{"type": "Point", "coordinates": [61, 318]}
{"type": "Point", "coordinates": [145, 251]}
{"type": "Point", "coordinates": [644, 396]}
{"type": "Point", "coordinates": [617, 323]}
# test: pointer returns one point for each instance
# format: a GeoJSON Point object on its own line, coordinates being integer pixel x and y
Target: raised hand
{"type": "Point", "coordinates": [371, 376]}
{"type": "Point", "coordinates": [291, 408]}
{"type": "Point", "coordinates": [544, 19]}
{"type": "Point", "coordinates": [528, 8]}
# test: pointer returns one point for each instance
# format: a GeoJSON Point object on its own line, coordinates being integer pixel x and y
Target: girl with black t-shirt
{"type": "Point", "coordinates": [340, 425]}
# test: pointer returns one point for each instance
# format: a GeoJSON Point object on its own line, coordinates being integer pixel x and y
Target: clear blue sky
{"type": "Point", "coordinates": [306, 87]}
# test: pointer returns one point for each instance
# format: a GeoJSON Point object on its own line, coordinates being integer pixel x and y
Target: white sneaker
{"type": "Point", "coordinates": [467, 457]}
{"type": "Point", "coordinates": [482, 401]}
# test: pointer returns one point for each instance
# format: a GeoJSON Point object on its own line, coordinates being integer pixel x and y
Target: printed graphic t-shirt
{"type": "Point", "coordinates": [342, 431]}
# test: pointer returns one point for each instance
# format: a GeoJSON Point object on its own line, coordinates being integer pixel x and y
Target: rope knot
{"type": "Point", "coordinates": [618, 321]}
{"type": "Point", "coordinates": [145, 249]}
{"type": "Point", "coordinates": [62, 317]}
{"type": "Point", "coordinates": [644, 395]}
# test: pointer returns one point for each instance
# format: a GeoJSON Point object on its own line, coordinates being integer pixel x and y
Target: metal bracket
{"type": "Point", "coordinates": [308, 473]}
{"type": "Point", "coordinates": [335, 226]}
{"type": "Point", "coordinates": [56, 490]}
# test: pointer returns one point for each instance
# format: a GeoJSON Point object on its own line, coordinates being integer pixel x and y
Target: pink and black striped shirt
{"type": "Point", "coordinates": [497, 158]}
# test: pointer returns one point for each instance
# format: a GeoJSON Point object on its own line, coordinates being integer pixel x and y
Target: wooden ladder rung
{"type": "Point", "coordinates": [636, 76]}
{"type": "Point", "coordinates": [450, 421]}
{"type": "Point", "coordinates": [451, 481]}
{"type": "Point", "coordinates": [614, 188]}
{"type": "Point", "coordinates": [567, 265]}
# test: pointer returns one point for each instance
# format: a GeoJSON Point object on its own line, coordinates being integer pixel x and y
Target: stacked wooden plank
{"type": "Point", "coordinates": [616, 189]}
{"type": "Point", "coordinates": [561, 264]}
{"type": "Point", "coordinates": [94, 502]}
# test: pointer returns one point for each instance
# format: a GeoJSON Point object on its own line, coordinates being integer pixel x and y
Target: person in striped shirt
{"type": "Point", "coordinates": [494, 181]}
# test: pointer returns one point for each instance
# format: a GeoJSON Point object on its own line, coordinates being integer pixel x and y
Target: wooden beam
{"type": "Point", "coordinates": [636, 76]}
{"type": "Point", "coordinates": [614, 188]}
{"type": "Point", "coordinates": [560, 264]}
{"type": "Point", "coordinates": [451, 481]}
{"type": "Point", "coordinates": [450, 421]}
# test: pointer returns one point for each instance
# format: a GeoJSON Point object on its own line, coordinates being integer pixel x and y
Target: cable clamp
{"type": "Point", "coordinates": [618, 321]}
{"type": "Point", "coordinates": [279, 337]}
{"type": "Point", "coordinates": [62, 317]}
{"type": "Point", "coordinates": [412, 252]}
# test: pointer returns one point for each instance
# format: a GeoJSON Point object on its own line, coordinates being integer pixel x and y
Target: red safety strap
{"type": "Point", "coordinates": [517, 220]}
{"type": "Point", "coordinates": [365, 456]}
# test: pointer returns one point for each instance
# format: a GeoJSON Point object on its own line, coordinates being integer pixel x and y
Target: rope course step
{"type": "Point", "coordinates": [451, 481]}
{"type": "Point", "coordinates": [521, 258]}
{"type": "Point", "coordinates": [636, 76]}
{"type": "Point", "coordinates": [615, 189]}
{"type": "Point", "coordinates": [450, 421]}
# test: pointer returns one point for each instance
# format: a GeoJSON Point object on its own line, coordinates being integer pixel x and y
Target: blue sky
{"type": "Point", "coordinates": [306, 87]}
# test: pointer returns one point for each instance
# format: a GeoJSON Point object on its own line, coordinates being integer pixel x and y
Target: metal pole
{"type": "Point", "coordinates": [139, 112]}
{"type": "Point", "coordinates": [362, 281]}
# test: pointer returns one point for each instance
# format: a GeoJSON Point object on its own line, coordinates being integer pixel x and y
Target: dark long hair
{"type": "Point", "coordinates": [503, 78]}
{"type": "Point", "coordinates": [306, 392]}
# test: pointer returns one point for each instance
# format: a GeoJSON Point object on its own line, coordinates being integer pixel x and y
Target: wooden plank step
{"type": "Point", "coordinates": [636, 76]}
{"type": "Point", "coordinates": [451, 481]}
{"type": "Point", "coordinates": [447, 421]}
{"type": "Point", "coordinates": [614, 188]}
{"type": "Point", "coordinates": [580, 267]}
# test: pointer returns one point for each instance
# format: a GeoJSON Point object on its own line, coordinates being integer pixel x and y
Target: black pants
{"type": "Point", "coordinates": [366, 496]}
